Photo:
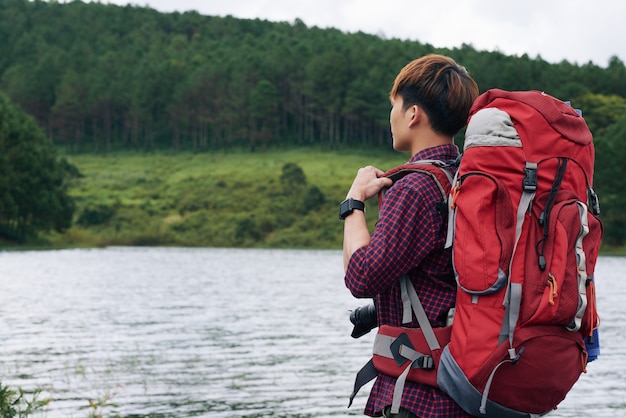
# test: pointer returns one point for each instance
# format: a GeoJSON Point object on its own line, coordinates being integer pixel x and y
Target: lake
{"type": "Point", "coordinates": [179, 332]}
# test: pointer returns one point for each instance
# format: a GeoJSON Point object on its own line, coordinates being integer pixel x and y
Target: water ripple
{"type": "Point", "coordinates": [217, 333]}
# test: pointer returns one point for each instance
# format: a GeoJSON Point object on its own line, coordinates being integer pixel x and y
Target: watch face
{"type": "Point", "coordinates": [344, 209]}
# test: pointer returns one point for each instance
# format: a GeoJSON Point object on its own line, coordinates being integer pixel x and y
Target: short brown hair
{"type": "Point", "coordinates": [443, 88]}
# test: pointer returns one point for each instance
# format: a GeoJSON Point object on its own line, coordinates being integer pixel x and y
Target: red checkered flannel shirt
{"type": "Point", "coordinates": [409, 237]}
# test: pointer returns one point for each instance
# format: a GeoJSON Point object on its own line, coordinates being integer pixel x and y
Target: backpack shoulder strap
{"type": "Point", "coordinates": [435, 169]}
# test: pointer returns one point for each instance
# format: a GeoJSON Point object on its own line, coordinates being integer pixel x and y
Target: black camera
{"type": "Point", "coordinates": [364, 320]}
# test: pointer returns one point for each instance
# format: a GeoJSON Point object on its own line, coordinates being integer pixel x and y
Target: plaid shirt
{"type": "Point", "coordinates": [409, 238]}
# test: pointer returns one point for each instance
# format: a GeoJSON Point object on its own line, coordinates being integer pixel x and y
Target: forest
{"type": "Point", "coordinates": [100, 78]}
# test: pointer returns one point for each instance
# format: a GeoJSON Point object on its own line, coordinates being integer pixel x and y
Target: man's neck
{"type": "Point", "coordinates": [429, 140]}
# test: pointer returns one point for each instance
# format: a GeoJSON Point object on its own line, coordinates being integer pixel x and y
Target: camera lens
{"type": "Point", "coordinates": [364, 320]}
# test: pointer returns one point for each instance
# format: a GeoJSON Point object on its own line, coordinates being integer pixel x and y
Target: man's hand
{"type": "Point", "coordinates": [367, 183]}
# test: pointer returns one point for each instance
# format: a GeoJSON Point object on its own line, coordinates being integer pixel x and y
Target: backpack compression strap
{"type": "Point", "coordinates": [513, 297]}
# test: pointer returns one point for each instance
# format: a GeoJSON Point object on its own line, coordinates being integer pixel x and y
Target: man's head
{"type": "Point", "coordinates": [441, 87]}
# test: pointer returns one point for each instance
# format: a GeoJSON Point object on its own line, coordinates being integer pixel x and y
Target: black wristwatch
{"type": "Point", "coordinates": [348, 206]}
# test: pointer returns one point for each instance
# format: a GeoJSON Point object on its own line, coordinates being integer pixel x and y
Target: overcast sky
{"type": "Point", "coordinates": [575, 30]}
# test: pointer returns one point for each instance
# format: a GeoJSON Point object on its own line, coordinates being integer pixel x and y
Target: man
{"type": "Point", "coordinates": [430, 98]}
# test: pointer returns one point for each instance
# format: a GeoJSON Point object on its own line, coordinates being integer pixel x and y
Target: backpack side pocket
{"type": "Point", "coordinates": [569, 243]}
{"type": "Point", "coordinates": [484, 233]}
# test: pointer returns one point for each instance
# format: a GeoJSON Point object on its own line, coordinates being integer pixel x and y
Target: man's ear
{"type": "Point", "coordinates": [416, 115]}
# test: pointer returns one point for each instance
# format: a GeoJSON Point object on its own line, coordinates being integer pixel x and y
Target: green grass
{"type": "Point", "coordinates": [219, 199]}
{"type": "Point", "coordinates": [213, 199]}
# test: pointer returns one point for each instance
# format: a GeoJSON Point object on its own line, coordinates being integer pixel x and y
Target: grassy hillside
{"type": "Point", "coordinates": [217, 199]}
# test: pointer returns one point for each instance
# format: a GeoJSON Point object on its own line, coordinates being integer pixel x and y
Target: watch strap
{"type": "Point", "coordinates": [348, 206]}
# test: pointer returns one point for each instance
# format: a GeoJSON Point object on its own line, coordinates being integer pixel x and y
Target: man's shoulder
{"type": "Point", "coordinates": [416, 188]}
{"type": "Point", "coordinates": [425, 177]}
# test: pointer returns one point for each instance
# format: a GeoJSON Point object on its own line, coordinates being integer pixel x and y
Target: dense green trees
{"type": "Point", "coordinates": [610, 181]}
{"type": "Point", "coordinates": [32, 179]}
{"type": "Point", "coordinates": [99, 77]}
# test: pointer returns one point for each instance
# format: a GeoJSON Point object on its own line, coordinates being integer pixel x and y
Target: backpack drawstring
{"type": "Point", "coordinates": [544, 218]}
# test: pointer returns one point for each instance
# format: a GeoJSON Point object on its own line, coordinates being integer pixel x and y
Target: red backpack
{"type": "Point", "coordinates": [525, 245]}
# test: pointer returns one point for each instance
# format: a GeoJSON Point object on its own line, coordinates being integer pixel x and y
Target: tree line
{"type": "Point", "coordinates": [101, 77]}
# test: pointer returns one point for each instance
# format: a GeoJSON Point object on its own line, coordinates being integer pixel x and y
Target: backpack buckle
{"type": "Point", "coordinates": [530, 178]}
{"type": "Point", "coordinates": [594, 202]}
{"type": "Point", "coordinates": [402, 340]}
{"type": "Point", "coordinates": [402, 351]}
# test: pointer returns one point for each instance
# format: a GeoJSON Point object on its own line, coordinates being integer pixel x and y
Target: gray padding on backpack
{"type": "Point", "coordinates": [491, 127]}
{"type": "Point", "coordinates": [452, 380]}
{"type": "Point", "coordinates": [581, 261]}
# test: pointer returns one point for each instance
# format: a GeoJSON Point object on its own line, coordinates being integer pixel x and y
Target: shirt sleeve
{"type": "Point", "coordinates": [403, 236]}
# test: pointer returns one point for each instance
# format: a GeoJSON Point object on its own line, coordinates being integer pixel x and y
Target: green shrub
{"type": "Point", "coordinates": [247, 231]}
{"type": "Point", "coordinates": [313, 200]}
{"type": "Point", "coordinates": [15, 404]}
{"type": "Point", "coordinates": [96, 215]}
{"type": "Point", "coordinates": [292, 178]}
